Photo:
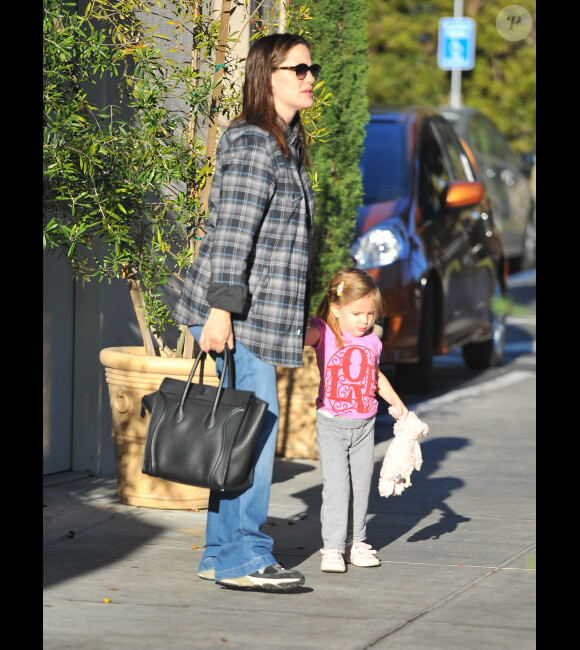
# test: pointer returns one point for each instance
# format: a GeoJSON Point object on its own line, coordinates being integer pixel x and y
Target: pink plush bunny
{"type": "Point", "coordinates": [403, 454]}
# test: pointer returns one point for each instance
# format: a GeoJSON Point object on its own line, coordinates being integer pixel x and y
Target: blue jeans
{"type": "Point", "coordinates": [235, 546]}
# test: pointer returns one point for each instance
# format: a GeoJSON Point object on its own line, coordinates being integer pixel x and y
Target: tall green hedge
{"type": "Point", "coordinates": [338, 34]}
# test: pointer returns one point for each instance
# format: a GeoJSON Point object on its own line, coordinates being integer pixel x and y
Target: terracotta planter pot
{"type": "Point", "coordinates": [297, 391]}
{"type": "Point", "coordinates": [130, 375]}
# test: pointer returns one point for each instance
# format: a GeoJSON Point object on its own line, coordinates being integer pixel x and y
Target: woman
{"type": "Point", "coordinates": [248, 286]}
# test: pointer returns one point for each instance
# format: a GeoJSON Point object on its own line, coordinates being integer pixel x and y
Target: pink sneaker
{"type": "Point", "coordinates": [332, 560]}
{"type": "Point", "coordinates": [362, 554]}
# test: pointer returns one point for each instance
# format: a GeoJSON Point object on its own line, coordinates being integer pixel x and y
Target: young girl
{"type": "Point", "coordinates": [348, 353]}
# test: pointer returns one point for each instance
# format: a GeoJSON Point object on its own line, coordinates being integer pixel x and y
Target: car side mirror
{"type": "Point", "coordinates": [461, 194]}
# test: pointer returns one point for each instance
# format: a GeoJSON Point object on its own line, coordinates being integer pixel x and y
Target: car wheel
{"type": "Point", "coordinates": [418, 377]}
{"type": "Point", "coordinates": [485, 354]}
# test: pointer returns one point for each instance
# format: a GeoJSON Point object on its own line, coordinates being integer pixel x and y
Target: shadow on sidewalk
{"type": "Point", "coordinates": [298, 536]}
{"type": "Point", "coordinates": [82, 538]}
{"type": "Point", "coordinates": [396, 516]}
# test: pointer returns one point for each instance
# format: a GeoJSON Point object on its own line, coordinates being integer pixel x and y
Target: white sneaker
{"type": "Point", "coordinates": [362, 554]}
{"type": "Point", "coordinates": [332, 560]}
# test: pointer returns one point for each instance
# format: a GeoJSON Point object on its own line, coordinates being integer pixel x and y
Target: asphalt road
{"type": "Point", "coordinates": [450, 374]}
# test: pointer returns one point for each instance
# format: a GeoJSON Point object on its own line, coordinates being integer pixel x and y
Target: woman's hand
{"type": "Point", "coordinates": [217, 331]}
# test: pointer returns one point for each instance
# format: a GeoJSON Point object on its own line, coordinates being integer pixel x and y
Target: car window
{"type": "Point", "coordinates": [433, 173]}
{"type": "Point", "coordinates": [384, 165]}
{"type": "Point", "coordinates": [459, 163]}
{"type": "Point", "coordinates": [488, 139]}
{"type": "Point", "coordinates": [499, 146]}
{"type": "Point", "coordinates": [479, 136]}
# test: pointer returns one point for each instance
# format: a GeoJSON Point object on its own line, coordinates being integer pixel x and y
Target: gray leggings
{"type": "Point", "coordinates": [346, 449]}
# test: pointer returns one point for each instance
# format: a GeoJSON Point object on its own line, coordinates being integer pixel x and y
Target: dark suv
{"type": "Point", "coordinates": [505, 178]}
{"type": "Point", "coordinates": [427, 235]}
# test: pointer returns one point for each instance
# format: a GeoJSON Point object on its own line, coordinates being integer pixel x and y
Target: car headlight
{"type": "Point", "coordinates": [379, 247]}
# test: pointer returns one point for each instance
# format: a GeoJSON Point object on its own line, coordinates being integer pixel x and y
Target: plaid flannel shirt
{"type": "Point", "coordinates": [255, 258]}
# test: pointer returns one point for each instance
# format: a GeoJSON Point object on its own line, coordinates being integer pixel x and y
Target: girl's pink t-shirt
{"type": "Point", "coordinates": [348, 375]}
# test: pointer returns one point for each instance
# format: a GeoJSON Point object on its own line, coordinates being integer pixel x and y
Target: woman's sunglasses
{"type": "Point", "coordinates": [302, 69]}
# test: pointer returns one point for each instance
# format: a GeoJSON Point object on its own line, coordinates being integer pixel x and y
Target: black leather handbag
{"type": "Point", "coordinates": [203, 435]}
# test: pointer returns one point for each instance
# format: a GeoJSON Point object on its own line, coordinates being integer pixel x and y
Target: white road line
{"type": "Point", "coordinates": [471, 391]}
{"type": "Point", "coordinates": [508, 379]}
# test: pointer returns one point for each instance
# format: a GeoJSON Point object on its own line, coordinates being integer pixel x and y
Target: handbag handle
{"type": "Point", "coordinates": [228, 363]}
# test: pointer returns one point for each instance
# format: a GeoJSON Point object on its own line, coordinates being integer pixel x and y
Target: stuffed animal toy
{"type": "Point", "coordinates": [403, 454]}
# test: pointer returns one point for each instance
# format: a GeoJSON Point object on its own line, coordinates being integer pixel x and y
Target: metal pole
{"type": "Point", "coordinates": [455, 97]}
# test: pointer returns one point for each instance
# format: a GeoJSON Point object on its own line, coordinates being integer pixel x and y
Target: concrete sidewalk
{"type": "Point", "coordinates": [457, 550]}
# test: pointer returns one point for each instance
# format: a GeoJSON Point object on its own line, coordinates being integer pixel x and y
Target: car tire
{"type": "Point", "coordinates": [485, 354]}
{"type": "Point", "coordinates": [418, 377]}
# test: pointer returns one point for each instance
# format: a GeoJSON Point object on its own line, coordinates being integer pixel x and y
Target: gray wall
{"type": "Point", "coordinates": [78, 322]}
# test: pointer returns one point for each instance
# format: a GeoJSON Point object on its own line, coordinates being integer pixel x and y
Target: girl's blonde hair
{"type": "Point", "coordinates": [348, 285]}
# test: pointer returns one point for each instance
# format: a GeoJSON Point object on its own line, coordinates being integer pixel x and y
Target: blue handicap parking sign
{"type": "Point", "coordinates": [456, 47]}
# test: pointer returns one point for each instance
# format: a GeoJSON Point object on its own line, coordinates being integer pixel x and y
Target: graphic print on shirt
{"type": "Point", "coordinates": [350, 382]}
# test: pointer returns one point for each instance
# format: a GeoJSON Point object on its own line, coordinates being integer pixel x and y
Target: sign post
{"type": "Point", "coordinates": [456, 51]}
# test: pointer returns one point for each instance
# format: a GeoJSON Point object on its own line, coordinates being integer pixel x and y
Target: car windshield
{"type": "Point", "coordinates": [384, 164]}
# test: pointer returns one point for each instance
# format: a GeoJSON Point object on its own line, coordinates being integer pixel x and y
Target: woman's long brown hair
{"type": "Point", "coordinates": [258, 106]}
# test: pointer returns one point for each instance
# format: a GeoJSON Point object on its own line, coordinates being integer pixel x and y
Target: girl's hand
{"type": "Point", "coordinates": [402, 410]}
